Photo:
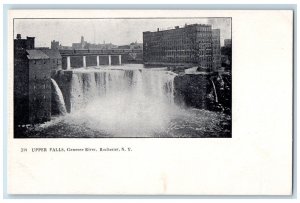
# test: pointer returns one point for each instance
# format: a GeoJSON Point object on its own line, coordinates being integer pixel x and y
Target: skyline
{"type": "Point", "coordinates": [97, 31]}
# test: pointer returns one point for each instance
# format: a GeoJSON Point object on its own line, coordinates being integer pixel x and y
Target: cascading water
{"type": "Point", "coordinates": [122, 101]}
{"type": "Point", "coordinates": [59, 99]}
{"type": "Point", "coordinates": [90, 85]}
{"type": "Point", "coordinates": [215, 91]}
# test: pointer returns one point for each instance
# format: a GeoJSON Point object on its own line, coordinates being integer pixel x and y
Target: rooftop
{"type": "Point", "coordinates": [53, 54]}
{"type": "Point", "coordinates": [36, 54]}
{"type": "Point", "coordinates": [178, 27]}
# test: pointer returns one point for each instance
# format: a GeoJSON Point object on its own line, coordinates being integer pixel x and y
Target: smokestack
{"type": "Point", "coordinates": [19, 36]}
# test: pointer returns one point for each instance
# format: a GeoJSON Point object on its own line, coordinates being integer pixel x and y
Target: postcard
{"type": "Point", "coordinates": [150, 102]}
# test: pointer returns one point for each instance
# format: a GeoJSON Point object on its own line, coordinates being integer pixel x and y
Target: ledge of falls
{"type": "Point", "coordinates": [209, 91]}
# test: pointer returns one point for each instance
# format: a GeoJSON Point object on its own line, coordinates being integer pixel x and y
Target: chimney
{"type": "Point", "coordinates": [157, 29]}
{"type": "Point", "coordinates": [19, 36]}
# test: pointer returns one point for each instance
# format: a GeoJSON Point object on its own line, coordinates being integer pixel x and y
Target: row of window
{"type": "Point", "coordinates": [42, 61]}
{"type": "Point", "coordinates": [200, 58]}
{"type": "Point", "coordinates": [177, 48]}
{"type": "Point", "coordinates": [170, 59]}
{"type": "Point", "coordinates": [202, 28]}
{"type": "Point", "coordinates": [54, 61]}
{"type": "Point", "coordinates": [180, 52]}
{"type": "Point", "coordinates": [182, 40]}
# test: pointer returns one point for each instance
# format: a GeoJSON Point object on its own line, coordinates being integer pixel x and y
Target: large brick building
{"type": "Point", "coordinates": [32, 81]}
{"type": "Point", "coordinates": [191, 44]}
{"type": "Point", "coordinates": [216, 47]}
{"type": "Point", "coordinates": [39, 86]}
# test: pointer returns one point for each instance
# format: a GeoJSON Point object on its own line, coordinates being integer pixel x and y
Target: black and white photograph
{"type": "Point", "coordinates": [122, 77]}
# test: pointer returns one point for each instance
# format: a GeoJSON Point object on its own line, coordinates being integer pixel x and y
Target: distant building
{"type": "Point", "coordinates": [216, 46]}
{"type": "Point", "coordinates": [101, 46]}
{"type": "Point", "coordinates": [133, 45]}
{"type": "Point", "coordinates": [80, 45]}
{"type": "Point", "coordinates": [85, 45]}
{"type": "Point", "coordinates": [124, 47]}
{"type": "Point", "coordinates": [227, 43]}
{"type": "Point", "coordinates": [32, 83]}
{"type": "Point", "coordinates": [65, 47]}
{"type": "Point", "coordinates": [191, 44]}
{"type": "Point", "coordinates": [55, 45]}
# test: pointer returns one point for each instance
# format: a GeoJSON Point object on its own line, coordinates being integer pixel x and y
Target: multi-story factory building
{"type": "Point", "coordinates": [191, 44]}
{"type": "Point", "coordinates": [216, 47]}
{"type": "Point", "coordinates": [32, 81]}
{"type": "Point", "coordinates": [39, 86]}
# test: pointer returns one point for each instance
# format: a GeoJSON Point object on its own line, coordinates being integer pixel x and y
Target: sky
{"type": "Point", "coordinates": [115, 31]}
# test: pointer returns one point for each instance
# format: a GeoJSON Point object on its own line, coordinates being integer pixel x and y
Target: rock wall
{"type": "Point", "coordinates": [211, 91]}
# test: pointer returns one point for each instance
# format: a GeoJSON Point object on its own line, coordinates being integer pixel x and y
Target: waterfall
{"type": "Point", "coordinates": [215, 91]}
{"type": "Point", "coordinates": [124, 101]}
{"type": "Point", "coordinates": [138, 84]}
{"type": "Point", "coordinates": [59, 99]}
{"type": "Point", "coordinates": [76, 99]}
{"type": "Point", "coordinates": [68, 63]}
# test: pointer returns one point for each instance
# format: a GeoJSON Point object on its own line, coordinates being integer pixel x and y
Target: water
{"type": "Point", "coordinates": [59, 99]}
{"type": "Point", "coordinates": [215, 91]}
{"type": "Point", "coordinates": [122, 87]}
{"type": "Point", "coordinates": [129, 101]}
